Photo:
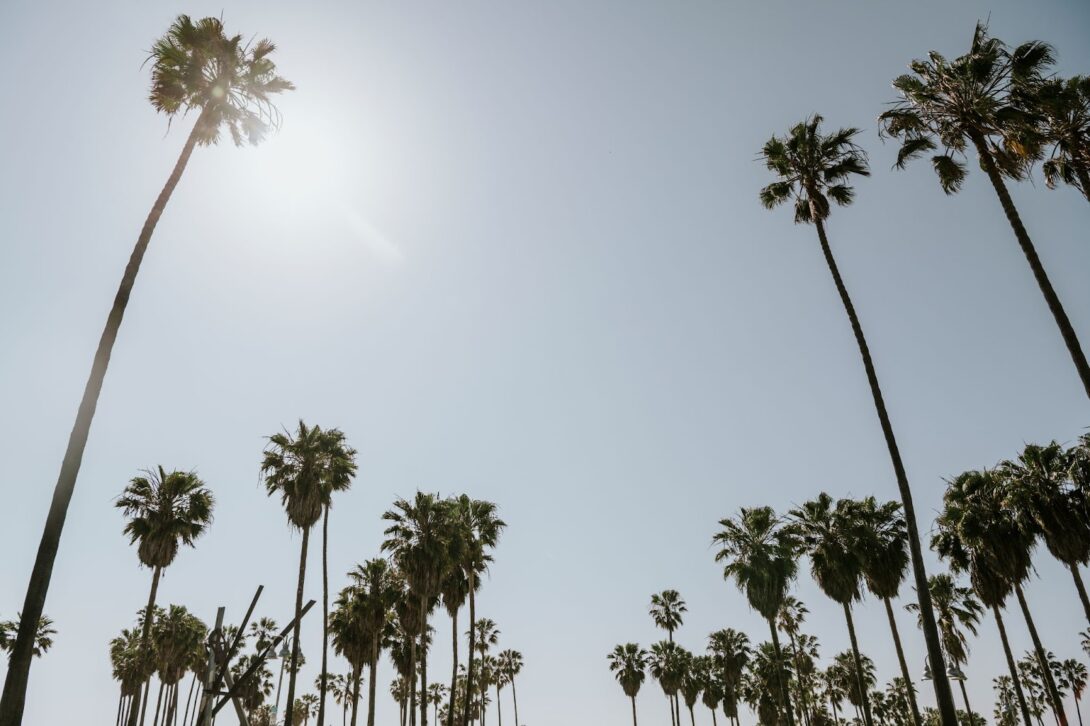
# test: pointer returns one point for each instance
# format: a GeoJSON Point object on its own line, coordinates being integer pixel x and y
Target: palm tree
{"type": "Point", "coordinates": [832, 680]}
{"type": "Point", "coordinates": [305, 469]}
{"type": "Point", "coordinates": [760, 556]}
{"type": "Point", "coordinates": [510, 665]}
{"type": "Point", "coordinates": [958, 611]}
{"type": "Point", "coordinates": [968, 102]}
{"type": "Point", "coordinates": [377, 590]}
{"type": "Point", "coordinates": [177, 633]}
{"type": "Point", "coordinates": [884, 539]}
{"type": "Point", "coordinates": [129, 670]}
{"type": "Point", "coordinates": [711, 688]}
{"type": "Point", "coordinates": [352, 641]}
{"type": "Point", "coordinates": [477, 530]}
{"type": "Point", "coordinates": [856, 673]}
{"type": "Point", "coordinates": [308, 707]}
{"type": "Point", "coordinates": [1040, 490]}
{"type": "Point", "coordinates": [667, 610]}
{"type": "Point", "coordinates": [1075, 674]}
{"type": "Point", "coordinates": [767, 682]}
{"type": "Point", "coordinates": [628, 663]}
{"type": "Point", "coordinates": [195, 67]}
{"type": "Point", "coordinates": [975, 534]}
{"type": "Point", "coordinates": [730, 654]}
{"type": "Point", "coordinates": [813, 168]}
{"type": "Point", "coordinates": [43, 635]}
{"type": "Point", "coordinates": [436, 693]}
{"type": "Point", "coordinates": [692, 684]}
{"type": "Point", "coordinates": [666, 665]}
{"type": "Point", "coordinates": [164, 511]}
{"type": "Point", "coordinates": [1061, 109]}
{"type": "Point", "coordinates": [791, 616]}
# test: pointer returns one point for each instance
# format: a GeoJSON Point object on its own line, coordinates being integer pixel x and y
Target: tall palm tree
{"type": "Point", "coordinates": [829, 532]}
{"type": "Point", "coordinates": [164, 511]}
{"type": "Point", "coordinates": [229, 84]}
{"type": "Point", "coordinates": [629, 665]}
{"type": "Point", "coordinates": [1040, 490]}
{"type": "Point", "coordinates": [711, 687]}
{"type": "Point", "coordinates": [352, 641]}
{"type": "Point", "coordinates": [791, 616]}
{"type": "Point", "coordinates": [377, 590]}
{"type": "Point", "coordinates": [668, 610]}
{"type": "Point", "coordinates": [43, 635]}
{"type": "Point", "coordinates": [883, 537]}
{"type": "Point", "coordinates": [730, 652]}
{"type": "Point", "coordinates": [958, 611]}
{"type": "Point", "coordinates": [510, 664]}
{"type": "Point", "coordinates": [1061, 108]}
{"type": "Point", "coordinates": [761, 558]}
{"type": "Point", "coordinates": [666, 664]}
{"type": "Point", "coordinates": [478, 529]}
{"type": "Point", "coordinates": [975, 535]}
{"type": "Point", "coordinates": [692, 683]}
{"type": "Point", "coordinates": [455, 591]}
{"type": "Point", "coordinates": [129, 670]}
{"type": "Point", "coordinates": [1075, 674]}
{"type": "Point", "coordinates": [767, 681]}
{"type": "Point", "coordinates": [177, 633]}
{"type": "Point", "coordinates": [967, 102]}
{"type": "Point", "coordinates": [813, 168]}
{"type": "Point", "coordinates": [304, 469]}
{"type": "Point", "coordinates": [854, 670]}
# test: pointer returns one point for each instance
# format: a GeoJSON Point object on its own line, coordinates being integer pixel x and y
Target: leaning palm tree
{"type": "Point", "coordinates": [711, 687]}
{"type": "Point", "coordinates": [164, 511]}
{"type": "Point", "coordinates": [814, 169]}
{"type": "Point", "coordinates": [304, 469]}
{"type": "Point", "coordinates": [975, 535]}
{"type": "Point", "coordinates": [760, 557]}
{"type": "Point", "coordinates": [884, 540]}
{"type": "Point", "coordinates": [629, 664]}
{"type": "Point", "coordinates": [510, 665]}
{"type": "Point", "coordinates": [967, 102]}
{"type": "Point", "coordinates": [229, 84]}
{"type": "Point", "coordinates": [958, 612]}
{"type": "Point", "coordinates": [830, 534]}
{"type": "Point", "coordinates": [1041, 492]}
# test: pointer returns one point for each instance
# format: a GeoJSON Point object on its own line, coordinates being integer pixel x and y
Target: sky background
{"type": "Point", "coordinates": [515, 250]}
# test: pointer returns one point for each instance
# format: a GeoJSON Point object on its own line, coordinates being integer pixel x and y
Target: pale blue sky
{"type": "Point", "coordinates": [512, 249]}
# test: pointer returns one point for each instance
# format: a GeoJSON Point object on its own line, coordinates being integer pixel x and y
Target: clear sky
{"type": "Point", "coordinates": [512, 249]}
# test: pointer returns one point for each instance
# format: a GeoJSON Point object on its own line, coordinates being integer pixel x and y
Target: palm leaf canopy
{"type": "Point", "coordinates": [760, 557]}
{"type": "Point", "coordinates": [812, 168]}
{"type": "Point", "coordinates": [667, 609]}
{"type": "Point", "coordinates": [305, 469]}
{"type": "Point", "coordinates": [628, 663]}
{"type": "Point", "coordinates": [230, 83]}
{"type": "Point", "coordinates": [829, 534]}
{"type": "Point", "coordinates": [420, 539]}
{"type": "Point", "coordinates": [883, 540]}
{"type": "Point", "coordinates": [165, 510]}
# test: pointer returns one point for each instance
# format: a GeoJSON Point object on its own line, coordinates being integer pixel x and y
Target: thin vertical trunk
{"type": "Point", "coordinates": [412, 682]}
{"type": "Point", "coordinates": [800, 692]}
{"type": "Point", "coordinates": [965, 698]}
{"type": "Point", "coordinates": [1046, 672]}
{"type": "Point", "coordinates": [158, 704]}
{"type": "Point", "coordinates": [692, 716]}
{"type": "Point", "coordinates": [472, 644]}
{"type": "Point", "coordinates": [1012, 667]}
{"type": "Point", "coordinates": [325, 617]}
{"type": "Point", "coordinates": [836, 712]}
{"type": "Point", "coordinates": [515, 698]}
{"type": "Point", "coordinates": [499, 707]}
{"type": "Point", "coordinates": [371, 669]}
{"type": "Point", "coordinates": [677, 709]}
{"type": "Point", "coordinates": [715, 721]}
{"type": "Point", "coordinates": [358, 672]}
{"type": "Point", "coordinates": [424, 662]}
{"type": "Point", "coordinates": [911, 690]}
{"type": "Point", "coordinates": [864, 699]}
{"type": "Point", "coordinates": [137, 714]}
{"type": "Point", "coordinates": [1070, 339]}
{"type": "Point", "coordinates": [22, 651]}
{"type": "Point", "coordinates": [943, 695]}
{"type": "Point", "coordinates": [279, 685]}
{"type": "Point", "coordinates": [785, 707]}
{"type": "Point", "coordinates": [634, 722]}
{"type": "Point", "coordinates": [188, 698]}
{"type": "Point", "coordinates": [120, 707]}
{"type": "Point", "coordinates": [454, 666]}
{"type": "Point", "coordinates": [1081, 588]}
{"type": "Point", "coordinates": [1078, 710]}
{"type": "Point", "coordinates": [293, 669]}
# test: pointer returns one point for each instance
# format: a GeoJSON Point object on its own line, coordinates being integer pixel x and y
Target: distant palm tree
{"type": "Point", "coordinates": [967, 102]}
{"type": "Point", "coordinates": [628, 663]}
{"type": "Point", "coordinates": [1075, 674]}
{"type": "Point", "coordinates": [164, 511]}
{"type": "Point", "coordinates": [829, 532]}
{"type": "Point", "coordinates": [692, 683]}
{"type": "Point", "coordinates": [668, 610]}
{"type": "Point", "coordinates": [814, 169]}
{"type": "Point", "coordinates": [761, 558]}
{"type": "Point", "coordinates": [730, 652]}
{"type": "Point", "coordinates": [884, 541]}
{"type": "Point", "coordinates": [791, 616]}
{"type": "Point", "coordinates": [309, 706]}
{"type": "Point", "coordinates": [510, 664]}
{"type": "Point", "coordinates": [378, 592]}
{"type": "Point", "coordinates": [852, 671]}
{"type": "Point", "coordinates": [711, 686]}
{"type": "Point", "coordinates": [348, 629]}
{"type": "Point", "coordinates": [339, 483]}
{"type": "Point", "coordinates": [436, 693]}
{"type": "Point", "coordinates": [177, 633]}
{"type": "Point", "coordinates": [1041, 491]}
{"type": "Point", "coordinates": [43, 635]}
{"type": "Point", "coordinates": [666, 665]}
{"type": "Point", "coordinates": [958, 612]}
{"type": "Point", "coordinates": [129, 670]}
{"type": "Point", "coordinates": [766, 682]}
{"type": "Point", "coordinates": [304, 469]}
{"type": "Point", "coordinates": [195, 67]}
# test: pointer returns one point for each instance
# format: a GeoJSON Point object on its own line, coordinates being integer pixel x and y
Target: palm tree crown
{"type": "Point", "coordinates": [165, 511]}
{"type": "Point", "coordinates": [305, 469]}
{"type": "Point", "coordinates": [629, 663]}
{"type": "Point", "coordinates": [760, 557]}
{"type": "Point", "coordinates": [667, 609]}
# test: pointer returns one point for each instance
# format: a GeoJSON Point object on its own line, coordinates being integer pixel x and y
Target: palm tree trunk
{"type": "Point", "coordinates": [293, 669]}
{"type": "Point", "coordinates": [782, 690]}
{"type": "Point", "coordinates": [22, 651]}
{"type": "Point", "coordinates": [799, 692]}
{"type": "Point", "coordinates": [715, 721]}
{"type": "Point", "coordinates": [499, 707]}
{"type": "Point", "coordinates": [1078, 710]}
{"type": "Point", "coordinates": [1046, 673]}
{"type": "Point", "coordinates": [372, 669]}
{"type": "Point", "coordinates": [158, 704]}
{"type": "Point", "coordinates": [911, 691]}
{"type": "Point", "coordinates": [188, 698]}
{"type": "Point", "coordinates": [454, 664]}
{"type": "Point", "coordinates": [472, 645]}
{"type": "Point", "coordinates": [634, 722]}
{"type": "Point", "coordinates": [836, 712]}
{"type": "Point", "coordinates": [965, 698]}
{"type": "Point", "coordinates": [515, 698]}
{"type": "Point", "coordinates": [692, 716]}
{"type": "Point", "coordinates": [412, 682]}
{"type": "Point", "coordinates": [356, 692]}
{"type": "Point", "coordinates": [861, 687]}
{"type": "Point", "coordinates": [1071, 340]}
{"type": "Point", "coordinates": [1081, 588]}
{"type": "Point", "coordinates": [677, 709]}
{"type": "Point", "coordinates": [145, 647]}
{"type": "Point", "coordinates": [120, 707]}
{"type": "Point", "coordinates": [325, 616]}
{"type": "Point", "coordinates": [1015, 679]}
{"type": "Point", "coordinates": [944, 697]}
{"type": "Point", "coordinates": [424, 662]}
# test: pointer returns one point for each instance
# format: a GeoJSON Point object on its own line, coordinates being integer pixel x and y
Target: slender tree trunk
{"type": "Point", "coordinates": [15, 684]}
{"type": "Point", "coordinates": [120, 707]}
{"type": "Point", "coordinates": [715, 721]}
{"type": "Point", "coordinates": [782, 690]}
{"type": "Point", "coordinates": [1046, 673]}
{"type": "Point", "coordinates": [965, 698]}
{"type": "Point", "coordinates": [677, 709]}
{"type": "Point", "coordinates": [1081, 588]}
{"type": "Point", "coordinates": [325, 617]}
{"type": "Point", "coordinates": [861, 687]}
{"type": "Point", "coordinates": [454, 666]}
{"type": "Point", "coordinates": [943, 695]}
{"type": "Point", "coordinates": [1012, 666]}
{"type": "Point", "coordinates": [356, 674]}
{"type": "Point", "coordinates": [911, 690]}
{"type": "Point", "coordinates": [692, 716]}
{"type": "Point", "coordinates": [1071, 340]}
{"type": "Point", "coordinates": [800, 693]}
{"type": "Point", "coordinates": [499, 707]}
{"type": "Point", "coordinates": [145, 645]}
{"type": "Point", "coordinates": [472, 644]}
{"type": "Point", "coordinates": [424, 662]}
{"type": "Point", "coordinates": [293, 669]}
{"type": "Point", "coordinates": [373, 666]}
{"type": "Point", "coordinates": [158, 704]}
{"type": "Point", "coordinates": [1078, 711]}
{"type": "Point", "coordinates": [634, 722]}
{"type": "Point", "coordinates": [515, 698]}
{"type": "Point", "coordinates": [836, 712]}
{"type": "Point", "coordinates": [412, 682]}
{"type": "Point", "coordinates": [188, 698]}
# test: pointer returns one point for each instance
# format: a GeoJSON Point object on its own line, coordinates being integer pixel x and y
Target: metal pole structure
{"type": "Point", "coordinates": [206, 705]}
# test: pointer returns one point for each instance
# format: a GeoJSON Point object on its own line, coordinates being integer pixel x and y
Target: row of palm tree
{"type": "Point", "coordinates": [1006, 105]}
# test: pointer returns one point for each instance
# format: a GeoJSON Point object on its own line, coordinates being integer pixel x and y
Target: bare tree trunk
{"type": "Point", "coordinates": [188, 698]}
{"type": "Point", "coordinates": [1081, 588]}
{"type": "Point", "coordinates": [943, 695]}
{"type": "Point", "coordinates": [472, 644]}
{"type": "Point", "coordinates": [22, 651]}
{"type": "Point", "coordinates": [1012, 667]}
{"type": "Point", "coordinates": [782, 690]}
{"type": "Point", "coordinates": [911, 690]}
{"type": "Point", "coordinates": [293, 669]}
{"type": "Point", "coordinates": [1046, 672]}
{"type": "Point", "coordinates": [325, 617]}
{"type": "Point", "coordinates": [424, 662]}
{"type": "Point", "coordinates": [861, 687]}
{"type": "Point", "coordinates": [453, 667]}
{"type": "Point", "coordinates": [158, 704]}
{"type": "Point", "coordinates": [634, 723]}
{"type": "Point", "coordinates": [515, 698]}
{"type": "Point", "coordinates": [371, 685]}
